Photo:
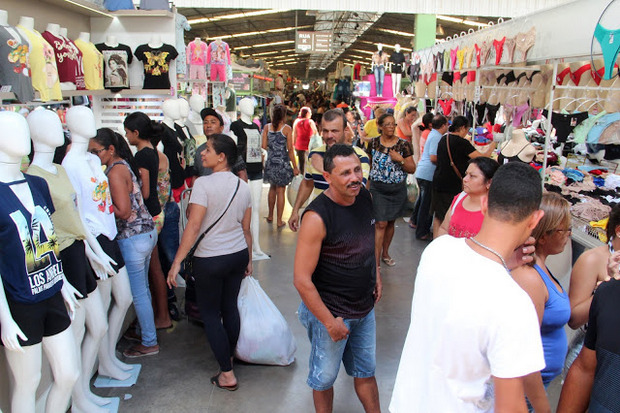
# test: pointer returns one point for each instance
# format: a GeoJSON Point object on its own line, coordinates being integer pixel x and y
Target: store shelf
{"type": "Point", "coordinates": [83, 7]}
{"type": "Point", "coordinates": [7, 96]}
{"type": "Point", "coordinates": [142, 13]}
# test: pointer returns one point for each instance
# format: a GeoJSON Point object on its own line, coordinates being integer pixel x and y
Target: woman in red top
{"type": "Point", "coordinates": [303, 129]}
{"type": "Point", "coordinates": [464, 218]}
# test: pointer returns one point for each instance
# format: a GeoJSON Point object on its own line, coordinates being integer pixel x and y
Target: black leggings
{"type": "Point", "coordinates": [301, 160]}
{"type": "Point", "coordinates": [217, 286]}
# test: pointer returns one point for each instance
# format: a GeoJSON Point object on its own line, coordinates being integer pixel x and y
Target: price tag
{"type": "Point", "coordinates": [5, 89]}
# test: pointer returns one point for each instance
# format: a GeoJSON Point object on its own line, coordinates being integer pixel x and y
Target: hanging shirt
{"type": "Point", "coordinates": [29, 264]}
{"type": "Point", "coordinates": [43, 68]}
{"type": "Point", "coordinates": [196, 53]}
{"type": "Point", "coordinates": [156, 65]}
{"type": "Point", "coordinates": [14, 66]}
{"type": "Point", "coordinates": [92, 60]}
{"type": "Point", "coordinates": [68, 59]}
{"type": "Point", "coordinates": [116, 62]}
{"type": "Point", "coordinates": [180, 25]}
{"type": "Point", "coordinates": [218, 53]}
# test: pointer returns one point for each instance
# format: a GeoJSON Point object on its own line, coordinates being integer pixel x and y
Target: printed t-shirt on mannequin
{"type": "Point", "coordinates": [29, 264]}
{"type": "Point", "coordinates": [249, 144]}
{"type": "Point", "coordinates": [14, 66]}
{"type": "Point", "coordinates": [68, 59]}
{"type": "Point", "coordinates": [116, 62]}
{"type": "Point", "coordinates": [156, 65]}
{"type": "Point", "coordinates": [42, 66]}
{"type": "Point", "coordinates": [92, 60]}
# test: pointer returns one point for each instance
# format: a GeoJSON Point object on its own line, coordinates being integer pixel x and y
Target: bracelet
{"type": "Point", "coordinates": [402, 163]}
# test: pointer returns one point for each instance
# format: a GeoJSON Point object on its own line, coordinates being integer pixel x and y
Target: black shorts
{"type": "Point", "coordinates": [440, 203]}
{"type": "Point", "coordinates": [252, 176]}
{"type": "Point", "coordinates": [43, 319]}
{"type": "Point", "coordinates": [77, 269]}
{"type": "Point", "coordinates": [113, 250]}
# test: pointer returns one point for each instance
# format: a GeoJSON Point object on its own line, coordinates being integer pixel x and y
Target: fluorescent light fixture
{"type": "Point", "coordinates": [272, 52]}
{"type": "Point", "coordinates": [235, 16]}
{"type": "Point", "coordinates": [396, 32]}
{"type": "Point", "coordinates": [265, 44]}
{"type": "Point", "coordinates": [461, 21]}
{"type": "Point", "coordinates": [84, 6]}
{"type": "Point", "coordinates": [387, 46]}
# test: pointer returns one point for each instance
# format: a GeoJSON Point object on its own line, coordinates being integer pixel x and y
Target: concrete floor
{"type": "Point", "coordinates": [177, 380]}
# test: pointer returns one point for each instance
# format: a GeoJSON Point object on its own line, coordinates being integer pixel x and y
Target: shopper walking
{"type": "Point", "coordinates": [406, 120]}
{"type": "Point", "coordinates": [136, 231]}
{"type": "Point", "coordinates": [464, 218]}
{"type": "Point", "coordinates": [278, 141]}
{"type": "Point", "coordinates": [221, 206]}
{"type": "Point", "coordinates": [338, 279]}
{"type": "Point", "coordinates": [303, 129]}
{"type": "Point", "coordinates": [391, 161]}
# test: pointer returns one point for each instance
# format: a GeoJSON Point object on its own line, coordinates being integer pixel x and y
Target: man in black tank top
{"type": "Point", "coordinates": [337, 277]}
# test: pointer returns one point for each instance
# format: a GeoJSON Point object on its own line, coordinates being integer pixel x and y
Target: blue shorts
{"type": "Point", "coordinates": [357, 351]}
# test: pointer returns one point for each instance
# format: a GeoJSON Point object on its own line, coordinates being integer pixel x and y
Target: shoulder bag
{"type": "Point", "coordinates": [456, 170]}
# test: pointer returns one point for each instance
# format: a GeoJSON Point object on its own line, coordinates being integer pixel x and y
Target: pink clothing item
{"type": "Point", "coordinates": [197, 72]}
{"type": "Point", "coordinates": [464, 223]}
{"type": "Point", "coordinates": [218, 53]}
{"type": "Point", "coordinates": [196, 53]}
{"type": "Point", "coordinates": [218, 72]}
{"type": "Point", "coordinates": [303, 133]}
{"type": "Point", "coordinates": [453, 56]}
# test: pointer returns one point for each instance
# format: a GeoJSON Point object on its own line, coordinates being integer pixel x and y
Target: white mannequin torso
{"type": "Point", "coordinates": [518, 145]}
{"type": "Point", "coordinates": [4, 18]}
{"type": "Point", "coordinates": [85, 37]}
{"type": "Point", "coordinates": [111, 41]}
{"type": "Point", "coordinates": [155, 42]}
{"type": "Point", "coordinates": [54, 29]}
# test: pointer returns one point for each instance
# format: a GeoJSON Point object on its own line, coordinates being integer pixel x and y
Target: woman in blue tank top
{"type": "Point", "coordinates": [549, 297]}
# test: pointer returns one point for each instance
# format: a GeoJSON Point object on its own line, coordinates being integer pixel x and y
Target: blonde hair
{"type": "Point", "coordinates": [557, 215]}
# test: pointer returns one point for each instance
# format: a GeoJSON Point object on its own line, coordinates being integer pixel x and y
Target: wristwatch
{"type": "Point", "coordinates": [402, 163]}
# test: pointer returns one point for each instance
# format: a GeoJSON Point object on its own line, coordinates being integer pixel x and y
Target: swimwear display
{"type": "Point", "coordinates": [499, 49]}
{"type": "Point", "coordinates": [610, 46]}
{"type": "Point", "coordinates": [525, 41]}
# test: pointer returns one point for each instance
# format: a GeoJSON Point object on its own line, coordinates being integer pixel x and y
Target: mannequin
{"type": "Point", "coordinates": [46, 133]}
{"type": "Point", "coordinates": [398, 62]}
{"type": "Point", "coordinates": [4, 18]}
{"type": "Point", "coordinates": [189, 143]}
{"type": "Point", "coordinates": [117, 58]}
{"type": "Point", "coordinates": [194, 122]}
{"type": "Point", "coordinates": [196, 56]}
{"type": "Point", "coordinates": [64, 32]}
{"type": "Point", "coordinates": [25, 359]}
{"type": "Point", "coordinates": [68, 58]}
{"type": "Point", "coordinates": [538, 83]}
{"type": "Point", "coordinates": [157, 58]}
{"type": "Point", "coordinates": [612, 104]}
{"type": "Point", "coordinates": [111, 41]}
{"type": "Point", "coordinates": [249, 141]}
{"type": "Point", "coordinates": [155, 41]}
{"type": "Point", "coordinates": [18, 75]}
{"type": "Point", "coordinates": [173, 147]}
{"type": "Point", "coordinates": [518, 148]}
{"type": "Point", "coordinates": [92, 62]}
{"type": "Point", "coordinates": [91, 185]}
{"type": "Point", "coordinates": [218, 57]}
{"type": "Point", "coordinates": [379, 60]}
{"type": "Point", "coordinates": [42, 66]}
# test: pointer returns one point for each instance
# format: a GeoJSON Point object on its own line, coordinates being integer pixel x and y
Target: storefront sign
{"type": "Point", "coordinates": [313, 42]}
{"type": "Point", "coordinates": [241, 81]}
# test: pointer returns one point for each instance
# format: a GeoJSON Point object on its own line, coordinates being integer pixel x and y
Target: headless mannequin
{"type": "Point", "coordinates": [379, 59]}
{"type": "Point", "coordinates": [111, 41]}
{"type": "Point", "coordinates": [246, 110]}
{"type": "Point", "coordinates": [171, 111]}
{"type": "Point", "coordinates": [54, 29]}
{"type": "Point", "coordinates": [396, 77]}
{"type": "Point", "coordinates": [612, 104]}
{"type": "Point", "coordinates": [519, 146]}
{"type": "Point", "coordinates": [64, 32]}
{"type": "Point", "coordinates": [26, 22]}
{"type": "Point", "coordinates": [183, 112]}
{"type": "Point", "coordinates": [4, 18]}
{"type": "Point", "coordinates": [84, 36]}
{"type": "Point", "coordinates": [46, 133]}
{"type": "Point", "coordinates": [81, 123]}
{"type": "Point", "coordinates": [25, 361]}
{"type": "Point", "coordinates": [156, 42]}
{"type": "Point", "coordinates": [194, 122]}
{"type": "Point", "coordinates": [539, 95]}
{"type": "Point", "coordinates": [596, 98]}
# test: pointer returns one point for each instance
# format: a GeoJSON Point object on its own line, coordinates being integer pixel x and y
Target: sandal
{"type": "Point", "coordinates": [216, 381]}
{"type": "Point", "coordinates": [388, 261]}
{"type": "Point", "coordinates": [140, 350]}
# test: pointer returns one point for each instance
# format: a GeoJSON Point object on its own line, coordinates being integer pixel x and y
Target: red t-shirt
{"type": "Point", "coordinates": [464, 223]}
{"type": "Point", "coordinates": [423, 138]}
{"type": "Point", "coordinates": [68, 60]}
{"type": "Point", "coordinates": [303, 133]}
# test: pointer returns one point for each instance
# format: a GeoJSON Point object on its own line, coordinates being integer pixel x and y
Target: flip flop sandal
{"type": "Point", "coordinates": [216, 381]}
{"type": "Point", "coordinates": [389, 262]}
{"type": "Point", "coordinates": [140, 351]}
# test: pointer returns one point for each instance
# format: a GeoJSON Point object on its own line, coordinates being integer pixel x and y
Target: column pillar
{"type": "Point", "coordinates": [425, 29]}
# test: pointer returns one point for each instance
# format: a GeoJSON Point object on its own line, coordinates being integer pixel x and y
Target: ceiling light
{"type": "Point", "coordinates": [235, 16]}
{"type": "Point", "coordinates": [462, 21]}
{"type": "Point", "coordinates": [396, 32]}
{"type": "Point", "coordinates": [265, 44]}
{"type": "Point", "coordinates": [440, 31]}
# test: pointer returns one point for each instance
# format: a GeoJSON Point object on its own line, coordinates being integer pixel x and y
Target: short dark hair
{"type": "Point", "coordinates": [427, 119]}
{"type": "Point", "coordinates": [410, 109]}
{"type": "Point", "coordinates": [338, 149]}
{"type": "Point", "coordinates": [487, 166]}
{"type": "Point", "coordinates": [383, 117]}
{"type": "Point", "coordinates": [515, 192]}
{"type": "Point", "coordinates": [224, 144]}
{"type": "Point", "coordinates": [458, 123]}
{"type": "Point", "coordinates": [438, 121]}
{"type": "Point", "coordinates": [211, 112]}
{"type": "Point", "coordinates": [614, 221]}
{"type": "Point", "coordinates": [334, 114]}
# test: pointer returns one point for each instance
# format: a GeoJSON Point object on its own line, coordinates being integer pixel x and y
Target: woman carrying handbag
{"type": "Point", "coordinates": [218, 237]}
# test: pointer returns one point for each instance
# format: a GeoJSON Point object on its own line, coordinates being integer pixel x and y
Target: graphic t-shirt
{"type": "Point", "coordinates": [218, 53]}
{"type": "Point", "coordinates": [249, 145]}
{"type": "Point", "coordinates": [173, 149]}
{"type": "Point", "coordinates": [68, 59]}
{"type": "Point", "coordinates": [189, 148]}
{"type": "Point", "coordinates": [116, 62]}
{"type": "Point", "coordinates": [156, 65]}
{"type": "Point", "coordinates": [43, 68]}
{"type": "Point", "coordinates": [30, 266]}
{"type": "Point", "coordinates": [92, 60]}
{"type": "Point", "coordinates": [14, 65]}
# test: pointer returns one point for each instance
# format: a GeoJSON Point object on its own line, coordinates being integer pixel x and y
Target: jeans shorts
{"type": "Point", "coordinates": [357, 351]}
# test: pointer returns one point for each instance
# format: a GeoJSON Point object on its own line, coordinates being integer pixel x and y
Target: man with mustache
{"type": "Point", "coordinates": [337, 276]}
{"type": "Point", "coordinates": [333, 125]}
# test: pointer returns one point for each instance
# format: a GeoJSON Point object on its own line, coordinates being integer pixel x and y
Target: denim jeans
{"type": "Point", "coordinates": [357, 352]}
{"type": "Point", "coordinates": [136, 252]}
{"type": "Point", "coordinates": [379, 78]}
{"type": "Point", "coordinates": [424, 220]}
{"type": "Point", "coordinates": [168, 241]}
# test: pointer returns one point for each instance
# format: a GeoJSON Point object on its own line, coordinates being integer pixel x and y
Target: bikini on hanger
{"type": "Point", "coordinates": [453, 55]}
{"type": "Point", "coordinates": [559, 79]}
{"type": "Point", "coordinates": [499, 49]}
{"type": "Point", "coordinates": [460, 56]}
{"type": "Point", "coordinates": [511, 44]}
{"type": "Point", "coordinates": [609, 40]}
{"type": "Point", "coordinates": [525, 41]}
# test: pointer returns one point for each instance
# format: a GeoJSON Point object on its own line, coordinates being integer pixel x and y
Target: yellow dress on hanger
{"type": "Point", "coordinates": [44, 72]}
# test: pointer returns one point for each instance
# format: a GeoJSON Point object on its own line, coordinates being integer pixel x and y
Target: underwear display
{"type": "Point", "coordinates": [485, 51]}
{"type": "Point", "coordinates": [562, 75]}
{"type": "Point", "coordinates": [525, 41]}
{"type": "Point", "coordinates": [460, 55]}
{"type": "Point", "coordinates": [414, 71]}
{"type": "Point", "coordinates": [516, 113]}
{"type": "Point", "coordinates": [521, 76]}
{"type": "Point", "coordinates": [499, 49]}
{"type": "Point", "coordinates": [478, 54]}
{"type": "Point", "coordinates": [448, 77]}
{"type": "Point", "coordinates": [576, 75]}
{"type": "Point", "coordinates": [609, 40]}
{"type": "Point", "coordinates": [501, 159]}
{"type": "Point", "coordinates": [492, 112]}
{"type": "Point", "coordinates": [446, 106]}
{"type": "Point", "coordinates": [430, 78]}
{"type": "Point", "coordinates": [480, 111]}
{"type": "Point", "coordinates": [453, 56]}
{"type": "Point", "coordinates": [471, 76]}
{"type": "Point", "coordinates": [597, 75]}
{"type": "Point", "coordinates": [469, 55]}
{"type": "Point", "coordinates": [457, 76]}
{"type": "Point", "coordinates": [565, 123]}
{"type": "Point", "coordinates": [446, 60]}
{"type": "Point", "coordinates": [439, 66]}
{"type": "Point", "coordinates": [511, 44]}
{"type": "Point", "coordinates": [508, 78]}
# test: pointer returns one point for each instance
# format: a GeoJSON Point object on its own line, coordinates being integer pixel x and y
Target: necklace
{"type": "Point", "coordinates": [478, 243]}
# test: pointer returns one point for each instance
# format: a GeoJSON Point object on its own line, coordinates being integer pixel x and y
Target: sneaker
{"type": "Point", "coordinates": [174, 312]}
{"type": "Point", "coordinates": [139, 350]}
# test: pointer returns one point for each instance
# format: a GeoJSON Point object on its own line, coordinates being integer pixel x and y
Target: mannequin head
{"type": "Point", "coordinates": [171, 110]}
{"type": "Point", "coordinates": [4, 16]}
{"type": "Point", "coordinates": [197, 103]}
{"type": "Point", "coordinates": [183, 108]}
{"type": "Point", "coordinates": [64, 32]}
{"type": "Point", "coordinates": [155, 41]}
{"type": "Point", "coordinates": [27, 22]}
{"type": "Point", "coordinates": [53, 28]}
{"type": "Point", "coordinates": [84, 36]}
{"type": "Point", "coordinates": [246, 108]}
{"type": "Point", "coordinates": [397, 47]}
{"type": "Point", "coordinates": [45, 130]}
{"type": "Point", "coordinates": [379, 46]}
{"type": "Point", "coordinates": [81, 123]}
{"type": "Point", "coordinates": [15, 137]}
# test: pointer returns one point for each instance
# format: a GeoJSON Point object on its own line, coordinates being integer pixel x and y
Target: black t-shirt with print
{"type": "Point", "coordinates": [156, 64]}
{"type": "Point", "coordinates": [116, 62]}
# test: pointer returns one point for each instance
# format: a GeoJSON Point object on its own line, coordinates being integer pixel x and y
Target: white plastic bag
{"type": "Point", "coordinates": [265, 337]}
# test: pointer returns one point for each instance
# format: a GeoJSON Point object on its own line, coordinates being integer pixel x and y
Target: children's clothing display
{"type": "Point", "coordinates": [68, 60]}
{"type": "Point", "coordinates": [14, 65]}
{"type": "Point", "coordinates": [196, 58]}
{"type": "Point", "coordinates": [218, 57]}
{"type": "Point", "coordinates": [116, 60]}
{"type": "Point", "coordinates": [181, 25]}
{"type": "Point", "coordinates": [43, 68]}
{"type": "Point", "coordinates": [156, 63]}
{"type": "Point", "coordinates": [92, 60]}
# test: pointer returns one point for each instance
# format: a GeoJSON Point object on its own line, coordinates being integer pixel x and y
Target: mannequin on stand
{"type": "Point", "coordinates": [17, 75]}
{"type": "Point", "coordinates": [156, 58]}
{"type": "Point", "coordinates": [563, 97]}
{"type": "Point", "coordinates": [117, 58]}
{"type": "Point", "coordinates": [189, 143]}
{"type": "Point", "coordinates": [249, 144]}
{"type": "Point", "coordinates": [91, 186]}
{"type": "Point", "coordinates": [76, 244]}
{"type": "Point", "coordinates": [196, 55]}
{"type": "Point", "coordinates": [398, 62]}
{"type": "Point", "coordinates": [194, 121]}
{"type": "Point", "coordinates": [32, 284]}
{"type": "Point", "coordinates": [173, 147]}
{"type": "Point", "coordinates": [379, 60]}
{"type": "Point", "coordinates": [218, 57]}
{"type": "Point", "coordinates": [92, 60]}
{"type": "Point", "coordinates": [517, 149]}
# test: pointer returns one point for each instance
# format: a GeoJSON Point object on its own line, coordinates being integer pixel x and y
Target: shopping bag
{"type": "Point", "coordinates": [265, 337]}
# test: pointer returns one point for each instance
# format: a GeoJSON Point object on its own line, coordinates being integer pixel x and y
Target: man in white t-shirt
{"type": "Point", "coordinates": [474, 332]}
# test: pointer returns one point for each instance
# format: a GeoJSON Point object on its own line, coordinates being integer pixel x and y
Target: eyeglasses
{"type": "Point", "coordinates": [388, 125]}
{"type": "Point", "coordinates": [97, 151]}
